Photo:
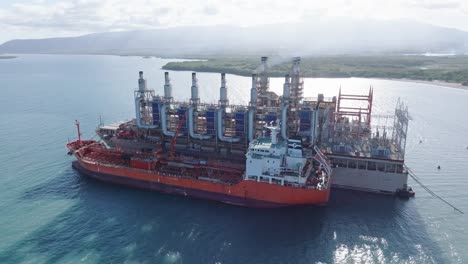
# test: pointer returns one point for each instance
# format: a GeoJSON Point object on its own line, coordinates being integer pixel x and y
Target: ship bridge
{"type": "Point", "coordinates": [278, 161]}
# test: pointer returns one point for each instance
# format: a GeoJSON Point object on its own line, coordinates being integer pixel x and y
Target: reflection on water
{"type": "Point", "coordinates": [112, 223]}
{"type": "Point", "coordinates": [50, 213]}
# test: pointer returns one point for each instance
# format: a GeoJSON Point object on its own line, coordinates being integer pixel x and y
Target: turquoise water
{"type": "Point", "coordinates": [49, 213]}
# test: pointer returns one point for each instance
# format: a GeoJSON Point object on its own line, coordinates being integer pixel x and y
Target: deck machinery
{"type": "Point", "coordinates": [364, 157]}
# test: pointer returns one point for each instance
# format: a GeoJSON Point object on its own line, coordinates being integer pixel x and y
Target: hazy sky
{"type": "Point", "coordinates": [51, 18]}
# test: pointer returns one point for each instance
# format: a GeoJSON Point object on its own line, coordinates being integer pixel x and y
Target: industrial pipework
{"type": "Point", "coordinates": [223, 102]}
{"type": "Point", "coordinates": [167, 101]}
{"type": "Point", "coordinates": [194, 100]}
{"type": "Point", "coordinates": [253, 104]}
{"type": "Point", "coordinates": [284, 108]}
{"type": "Point", "coordinates": [166, 132]}
{"type": "Point", "coordinates": [191, 130]}
{"type": "Point", "coordinates": [142, 95]}
{"type": "Point", "coordinates": [221, 128]}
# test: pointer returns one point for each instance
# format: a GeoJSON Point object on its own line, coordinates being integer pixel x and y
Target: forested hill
{"type": "Point", "coordinates": [429, 68]}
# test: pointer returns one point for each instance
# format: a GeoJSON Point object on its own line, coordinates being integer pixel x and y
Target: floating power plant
{"type": "Point", "coordinates": [287, 140]}
{"type": "Point", "coordinates": [224, 127]}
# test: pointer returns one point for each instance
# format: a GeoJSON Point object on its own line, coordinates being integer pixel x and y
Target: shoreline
{"type": "Point", "coordinates": [434, 83]}
{"type": "Point", "coordinates": [7, 57]}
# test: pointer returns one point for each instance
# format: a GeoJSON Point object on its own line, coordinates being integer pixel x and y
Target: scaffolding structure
{"type": "Point", "coordinates": [348, 129]}
{"type": "Point", "coordinates": [400, 130]}
{"type": "Point", "coordinates": [295, 99]}
{"type": "Point", "coordinates": [362, 113]}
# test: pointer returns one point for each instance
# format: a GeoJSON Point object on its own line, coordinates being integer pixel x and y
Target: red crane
{"type": "Point", "coordinates": [77, 123]}
{"type": "Point", "coordinates": [174, 139]}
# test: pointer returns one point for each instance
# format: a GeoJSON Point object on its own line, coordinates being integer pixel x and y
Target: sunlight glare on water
{"type": "Point", "coordinates": [49, 213]}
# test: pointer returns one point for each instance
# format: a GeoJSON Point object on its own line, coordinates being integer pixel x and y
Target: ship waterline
{"type": "Point", "coordinates": [275, 151]}
{"type": "Point", "coordinates": [246, 193]}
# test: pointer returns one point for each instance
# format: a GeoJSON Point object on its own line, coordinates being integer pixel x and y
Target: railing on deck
{"type": "Point", "coordinates": [320, 157]}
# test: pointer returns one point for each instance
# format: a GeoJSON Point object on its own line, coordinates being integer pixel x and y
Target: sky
{"type": "Point", "coordinates": [24, 19]}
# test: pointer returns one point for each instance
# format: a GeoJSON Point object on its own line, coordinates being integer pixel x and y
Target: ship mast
{"type": "Point", "coordinates": [77, 123]}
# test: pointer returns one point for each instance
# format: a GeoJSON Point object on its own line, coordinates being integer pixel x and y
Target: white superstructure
{"type": "Point", "coordinates": [277, 161]}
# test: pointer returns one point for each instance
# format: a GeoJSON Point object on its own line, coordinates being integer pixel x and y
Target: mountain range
{"type": "Point", "coordinates": [312, 37]}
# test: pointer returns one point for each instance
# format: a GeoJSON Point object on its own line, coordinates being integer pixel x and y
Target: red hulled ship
{"type": "Point", "coordinates": [277, 173]}
{"type": "Point", "coordinates": [263, 154]}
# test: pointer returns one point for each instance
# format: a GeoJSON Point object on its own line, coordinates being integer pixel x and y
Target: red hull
{"type": "Point", "coordinates": [245, 193]}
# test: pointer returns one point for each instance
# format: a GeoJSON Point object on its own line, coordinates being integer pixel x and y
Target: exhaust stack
{"type": "Point", "coordinates": [167, 88]}
{"type": "Point", "coordinates": [253, 105]}
{"type": "Point", "coordinates": [284, 108]}
{"type": "Point", "coordinates": [223, 98]}
{"type": "Point", "coordinates": [253, 91]}
{"type": "Point", "coordinates": [195, 99]}
{"type": "Point", "coordinates": [143, 98]}
{"type": "Point", "coordinates": [141, 82]}
{"type": "Point", "coordinates": [192, 114]}
{"type": "Point", "coordinates": [264, 79]}
{"type": "Point", "coordinates": [296, 62]}
{"type": "Point", "coordinates": [286, 88]}
{"type": "Point", "coordinates": [264, 60]}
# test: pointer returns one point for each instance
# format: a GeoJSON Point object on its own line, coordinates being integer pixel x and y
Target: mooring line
{"type": "Point", "coordinates": [417, 179]}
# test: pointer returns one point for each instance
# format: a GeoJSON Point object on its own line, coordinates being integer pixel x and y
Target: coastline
{"type": "Point", "coordinates": [6, 57]}
{"type": "Point", "coordinates": [435, 83]}
{"type": "Point", "coordinates": [445, 71]}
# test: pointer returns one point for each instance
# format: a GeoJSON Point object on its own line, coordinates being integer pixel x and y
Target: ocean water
{"type": "Point", "coordinates": [49, 213]}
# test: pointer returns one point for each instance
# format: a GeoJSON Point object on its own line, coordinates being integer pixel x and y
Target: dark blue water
{"type": "Point", "coordinates": [49, 213]}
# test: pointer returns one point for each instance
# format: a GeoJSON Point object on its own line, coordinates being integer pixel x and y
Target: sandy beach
{"type": "Point", "coordinates": [436, 83]}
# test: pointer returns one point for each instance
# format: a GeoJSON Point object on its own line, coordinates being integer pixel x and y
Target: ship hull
{"type": "Point", "coordinates": [246, 193]}
{"type": "Point", "coordinates": [369, 181]}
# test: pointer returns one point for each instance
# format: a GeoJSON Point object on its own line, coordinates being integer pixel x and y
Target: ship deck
{"type": "Point", "coordinates": [219, 172]}
{"type": "Point", "coordinates": [362, 151]}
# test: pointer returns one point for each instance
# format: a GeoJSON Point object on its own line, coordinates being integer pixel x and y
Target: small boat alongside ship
{"type": "Point", "coordinates": [276, 151]}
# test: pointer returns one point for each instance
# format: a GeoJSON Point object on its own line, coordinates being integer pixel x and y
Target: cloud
{"type": "Point", "coordinates": [75, 17]}
{"type": "Point", "coordinates": [84, 15]}
{"type": "Point", "coordinates": [438, 4]}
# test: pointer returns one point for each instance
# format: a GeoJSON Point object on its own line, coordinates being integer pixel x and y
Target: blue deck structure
{"type": "Point", "coordinates": [156, 114]}
{"type": "Point", "coordinates": [210, 122]}
{"type": "Point", "coordinates": [305, 118]}
{"type": "Point", "coordinates": [240, 123]}
{"type": "Point", "coordinates": [181, 113]}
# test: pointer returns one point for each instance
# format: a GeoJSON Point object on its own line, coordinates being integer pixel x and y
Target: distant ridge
{"type": "Point", "coordinates": [317, 37]}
